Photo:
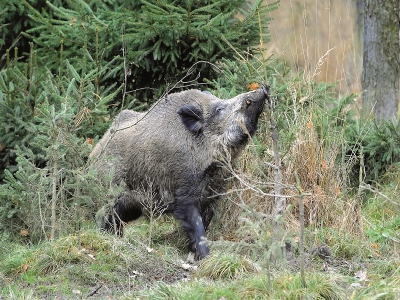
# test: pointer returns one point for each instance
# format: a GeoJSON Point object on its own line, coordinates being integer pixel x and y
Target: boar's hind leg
{"type": "Point", "coordinates": [125, 209]}
{"type": "Point", "coordinates": [190, 219]}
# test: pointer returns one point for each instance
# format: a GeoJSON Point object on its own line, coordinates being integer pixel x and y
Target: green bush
{"type": "Point", "coordinates": [48, 150]}
{"type": "Point", "coordinates": [149, 45]}
{"type": "Point", "coordinates": [377, 143]}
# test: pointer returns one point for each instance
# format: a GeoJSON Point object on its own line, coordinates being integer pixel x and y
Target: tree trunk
{"type": "Point", "coordinates": [381, 65]}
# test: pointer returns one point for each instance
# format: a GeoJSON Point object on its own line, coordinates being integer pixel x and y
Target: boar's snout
{"type": "Point", "coordinates": [258, 96]}
{"type": "Point", "coordinates": [253, 102]}
{"type": "Point", "coordinates": [254, 105]}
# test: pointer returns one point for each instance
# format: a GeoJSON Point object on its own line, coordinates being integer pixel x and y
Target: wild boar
{"type": "Point", "coordinates": [177, 152]}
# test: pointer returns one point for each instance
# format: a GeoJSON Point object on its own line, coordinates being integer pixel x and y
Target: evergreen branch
{"type": "Point", "coordinates": [209, 8]}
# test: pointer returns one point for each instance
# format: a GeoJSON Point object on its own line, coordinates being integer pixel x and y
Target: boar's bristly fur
{"type": "Point", "coordinates": [175, 154]}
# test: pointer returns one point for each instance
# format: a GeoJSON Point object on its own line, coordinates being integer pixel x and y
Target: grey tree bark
{"type": "Point", "coordinates": [381, 59]}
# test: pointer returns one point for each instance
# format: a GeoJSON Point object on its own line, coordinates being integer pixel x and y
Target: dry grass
{"type": "Point", "coordinates": [321, 38]}
{"type": "Point", "coordinates": [327, 203]}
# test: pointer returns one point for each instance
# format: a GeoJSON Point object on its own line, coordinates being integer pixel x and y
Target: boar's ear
{"type": "Point", "coordinates": [191, 117]}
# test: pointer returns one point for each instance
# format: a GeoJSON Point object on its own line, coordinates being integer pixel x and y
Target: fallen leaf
{"type": "Point", "coordinates": [25, 267]}
{"type": "Point", "coordinates": [303, 99]}
{"type": "Point", "coordinates": [253, 86]}
{"type": "Point", "coordinates": [135, 273]}
{"type": "Point", "coordinates": [24, 232]}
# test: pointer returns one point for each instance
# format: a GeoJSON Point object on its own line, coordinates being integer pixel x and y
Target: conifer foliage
{"type": "Point", "coordinates": [45, 138]}
{"type": "Point", "coordinates": [165, 38]}
{"type": "Point", "coordinates": [151, 43]}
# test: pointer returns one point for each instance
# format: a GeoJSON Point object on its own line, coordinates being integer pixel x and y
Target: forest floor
{"type": "Point", "coordinates": [91, 264]}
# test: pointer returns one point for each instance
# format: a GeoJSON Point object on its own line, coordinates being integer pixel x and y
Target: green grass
{"type": "Point", "coordinates": [287, 286]}
{"type": "Point", "coordinates": [82, 261]}
{"type": "Point", "coordinates": [124, 268]}
{"type": "Point", "coordinates": [226, 266]}
{"type": "Point", "coordinates": [364, 264]}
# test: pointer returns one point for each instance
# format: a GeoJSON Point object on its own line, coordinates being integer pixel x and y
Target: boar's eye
{"type": "Point", "coordinates": [248, 101]}
{"type": "Point", "coordinates": [218, 109]}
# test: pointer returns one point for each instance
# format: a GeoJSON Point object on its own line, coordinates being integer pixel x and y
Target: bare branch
{"type": "Point", "coordinates": [369, 188]}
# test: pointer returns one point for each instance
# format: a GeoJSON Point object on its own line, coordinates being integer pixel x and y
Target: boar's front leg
{"type": "Point", "coordinates": [192, 223]}
{"type": "Point", "coordinates": [187, 212]}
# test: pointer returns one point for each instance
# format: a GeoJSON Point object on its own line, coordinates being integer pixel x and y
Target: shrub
{"type": "Point", "coordinates": [50, 183]}
{"type": "Point", "coordinates": [377, 143]}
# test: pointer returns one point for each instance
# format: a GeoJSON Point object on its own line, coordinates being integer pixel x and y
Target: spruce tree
{"type": "Point", "coordinates": [150, 45]}
{"type": "Point", "coordinates": [52, 182]}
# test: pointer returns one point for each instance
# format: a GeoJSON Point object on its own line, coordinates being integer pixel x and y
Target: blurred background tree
{"type": "Point", "coordinates": [381, 64]}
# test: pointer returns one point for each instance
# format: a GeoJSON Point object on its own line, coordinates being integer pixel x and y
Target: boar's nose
{"type": "Point", "coordinates": [265, 89]}
{"type": "Point", "coordinates": [259, 96]}
{"type": "Point", "coordinates": [264, 92]}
